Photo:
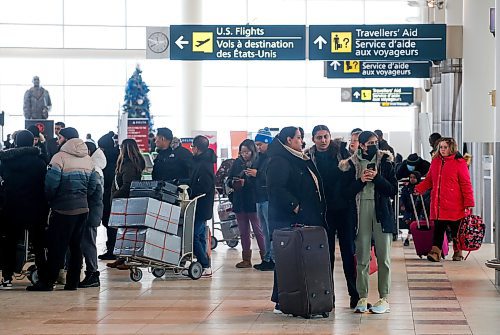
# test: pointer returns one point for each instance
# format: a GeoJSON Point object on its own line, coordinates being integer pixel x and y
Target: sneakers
{"type": "Point", "coordinates": [6, 284]}
{"type": "Point", "coordinates": [277, 309]}
{"type": "Point", "coordinates": [207, 273]}
{"type": "Point", "coordinates": [91, 280]}
{"type": "Point", "coordinates": [381, 306]}
{"type": "Point", "coordinates": [264, 266]}
{"type": "Point", "coordinates": [39, 286]}
{"type": "Point", "coordinates": [361, 306]}
{"type": "Point", "coordinates": [107, 257]}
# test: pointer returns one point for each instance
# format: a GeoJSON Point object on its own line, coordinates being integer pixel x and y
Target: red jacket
{"type": "Point", "coordinates": [451, 188]}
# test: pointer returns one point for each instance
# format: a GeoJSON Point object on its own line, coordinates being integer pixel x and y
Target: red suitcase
{"type": "Point", "coordinates": [423, 233]}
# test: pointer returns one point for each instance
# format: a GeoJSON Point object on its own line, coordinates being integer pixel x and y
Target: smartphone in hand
{"type": "Point", "coordinates": [371, 166]}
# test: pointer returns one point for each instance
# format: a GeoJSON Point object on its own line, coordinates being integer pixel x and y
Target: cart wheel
{"type": "Point", "coordinates": [32, 274]}
{"type": "Point", "coordinates": [214, 243]}
{"type": "Point", "coordinates": [135, 274]}
{"type": "Point", "coordinates": [325, 315]}
{"type": "Point", "coordinates": [158, 272]}
{"type": "Point", "coordinates": [195, 270]}
{"type": "Point", "coordinates": [232, 243]}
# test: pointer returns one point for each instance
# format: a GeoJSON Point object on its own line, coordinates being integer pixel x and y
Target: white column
{"type": "Point", "coordinates": [478, 72]}
{"type": "Point", "coordinates": [192, 81]}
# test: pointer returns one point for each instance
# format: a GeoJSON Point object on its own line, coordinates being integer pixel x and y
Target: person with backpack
{"type": "Point", "coordinates": [451, 195]}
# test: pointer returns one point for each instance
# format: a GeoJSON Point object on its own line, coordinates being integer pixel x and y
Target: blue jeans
{"type": "Point", "coordinates": [262, 212]}
{"type": "Point", "coordinates": [200, 243]}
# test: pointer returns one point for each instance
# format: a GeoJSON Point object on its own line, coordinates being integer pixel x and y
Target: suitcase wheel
{"type": "Point", "coordinates": [325, 315]}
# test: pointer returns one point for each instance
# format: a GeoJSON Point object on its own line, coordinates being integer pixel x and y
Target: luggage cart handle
{"type": "Point", "coordinates": [415, 211]}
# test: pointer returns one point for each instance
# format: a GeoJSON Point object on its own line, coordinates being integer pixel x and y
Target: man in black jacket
{"type": "Point", "coordinates": [383, 144]}
{"type": "Point", "coordinates": [411, 164]}
{"type": "Point", "coordinates": [52, 145]}
{"type": "Point", "coordinates": [340, 215]}
{"type": "Point", "coordinates": [171, 164]}
{"type": "Point", "coordinates": [202, 182]}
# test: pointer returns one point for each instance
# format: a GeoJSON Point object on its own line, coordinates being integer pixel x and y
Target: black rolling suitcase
{"type": "Point", "coordinates": [303, 271]}
{"type": "Point", "coordinates": [155, 189]}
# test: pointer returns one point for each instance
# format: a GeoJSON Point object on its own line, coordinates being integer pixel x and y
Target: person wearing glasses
{"type": "Point", "coordinates": [373, 183]}
{"type": "Point", "coordinates": [244, 200]}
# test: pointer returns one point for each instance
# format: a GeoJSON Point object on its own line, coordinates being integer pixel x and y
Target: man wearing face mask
{"type": "Point", "coordinates": [373, 183]}
{"type": "Point", "coordinates": [413, 163]}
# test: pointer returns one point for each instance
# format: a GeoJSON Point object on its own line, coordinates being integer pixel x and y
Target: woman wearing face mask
{"type": "Point", "coordinates": [451, 194]}
{"type": "Point", "coordinates": [373, 182]}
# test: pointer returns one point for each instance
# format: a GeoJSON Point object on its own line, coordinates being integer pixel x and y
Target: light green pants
{"type": "Point", "coordinates": [368, 227]}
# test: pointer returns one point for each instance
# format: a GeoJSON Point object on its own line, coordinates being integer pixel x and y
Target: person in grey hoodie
{"type": "Point", "coordinates": [70, 180]}
{"type": "Point", "coordinates": [88, 244]}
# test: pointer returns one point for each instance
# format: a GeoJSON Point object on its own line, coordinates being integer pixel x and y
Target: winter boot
{"type": "Point", "coordinates": [457, 256]}
{"type": "Point", "coordinates": [262, 255]}
{"type": "Point", "coordinates": [434, 255]}
{"type": "Point", "coordinates": [247, 260]}
{"type": "Point", "coordinates": [91, 280]}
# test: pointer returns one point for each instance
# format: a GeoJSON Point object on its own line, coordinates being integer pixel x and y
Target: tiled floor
{"type": "Point", "coordinates": [427, 298]}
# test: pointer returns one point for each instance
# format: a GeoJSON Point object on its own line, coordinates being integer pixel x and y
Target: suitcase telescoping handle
{"type": "Point", "coordinates": [415, 211]}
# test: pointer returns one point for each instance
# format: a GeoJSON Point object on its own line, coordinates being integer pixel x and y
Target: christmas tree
{"type": "Point", "coordinates": [136, 98]}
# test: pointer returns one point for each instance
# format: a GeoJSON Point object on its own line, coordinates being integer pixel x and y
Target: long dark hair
{"type": "Point", "coordinates": [287, 132]}
{"type": "Point", "coordinates": [250, 145]}
{"type": "Point", "coordinates": [319, 128]}
{"type": "Point", "coordinates": [130, 150]}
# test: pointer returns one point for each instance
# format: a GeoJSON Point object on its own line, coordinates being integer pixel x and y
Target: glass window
{"type": "Point", "coordinates": [215, 12]}
{"type": "Point", "coordinates": [94, 37]}
{"type": "Point", "coordinates": [94, 12]}
{"type": "Point", "coordinates": [283, 102]}
{"type": "Point", "coordinates": [93, 100]}
{"type": "Point", "coordinates": [94, 72]}
{"type": "Point", "coordinates": [224, 101]}
{"type": "Point", "coordinates": [30, 36]}
{"type": "Point", "coordinates": [277, 12]}
{"type": "Point", "coordinates": [225, 74]}
{"type": "Point", "coordinates": [335, 12]}
{"type": "Point", "coordinates": [21, 71]}
{"type": "Point", "coordinates": [156, 72]}
{"type": "Point", "coordinates": [159, 13]}
{"type": "Point", "coordinates": [277, 74]}
{"type": "Point", "coordinates": [97, 125]}
{"type": "Point", "coordinates": [31, 11]}
{"type": "Point", "coordinates": [136, 37]}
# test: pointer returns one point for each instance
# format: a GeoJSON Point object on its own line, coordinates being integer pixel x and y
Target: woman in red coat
{"type": "Point", "coordinates": [451, 194]}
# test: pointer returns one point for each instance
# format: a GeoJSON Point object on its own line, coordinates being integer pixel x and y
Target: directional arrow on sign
{"type": "Point", "coordinates": [320, 41]}
{"type": "Point", "coordinates": [180, 42]}
{"type": "Point", "coordinates": [357, 95]}
{"type": "Point", "coordinates": [335, 64]}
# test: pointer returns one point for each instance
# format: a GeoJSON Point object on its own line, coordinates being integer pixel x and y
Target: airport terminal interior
{"type": "Point", "coordinates": [232, 70]}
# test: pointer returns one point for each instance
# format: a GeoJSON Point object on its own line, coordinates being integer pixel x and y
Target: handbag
{"type": "Point", "coordinates": [471, 233]}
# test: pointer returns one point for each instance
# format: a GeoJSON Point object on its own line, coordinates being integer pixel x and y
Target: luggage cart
{"type": "Point", "coordinates": [186, 264]}
{"type": "Point", "coordinates": [27, 267]}
{"type": "Point", "coordinates": [227, 225]}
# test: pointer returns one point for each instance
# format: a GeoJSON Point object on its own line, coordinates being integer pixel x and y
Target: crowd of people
{"type": "Point", "coordinates": [61, 190]}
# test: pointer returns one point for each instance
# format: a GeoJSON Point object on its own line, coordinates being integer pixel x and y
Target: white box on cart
{"type": "Point", "coordinates": [148, 243]}
{"type": "Point", "coordinates": [148, 212]}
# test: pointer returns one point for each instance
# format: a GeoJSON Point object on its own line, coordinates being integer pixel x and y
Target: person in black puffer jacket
{"type": "Point", "coordinates": [244, 202]}
{"type": "Point", "coordinates": [202, 182]}
{"type": "Point", "coordinates": [111, 151]}
{"type": "Point", "coordinates": [294, 186]}
{"type": "Point", "coordinates": [23, 172]}
{"type": "Point", "coordinates": [341, 213]}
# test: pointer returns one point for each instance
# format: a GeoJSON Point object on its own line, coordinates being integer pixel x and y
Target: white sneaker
{"type": "Point", "coordinates": [207, 273]}
{"type": "Point", "coordinates": [6, 284]}
{"type": "Point", "coordinates": [362, 306]}
{"type": "Point", "coordinates": [381, 306]}
{"type": "Point", "coordinates": [277, 309]}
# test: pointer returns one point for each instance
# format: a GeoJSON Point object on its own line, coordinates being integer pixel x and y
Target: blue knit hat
{"type": "Point", "coordinates": [264, 136]}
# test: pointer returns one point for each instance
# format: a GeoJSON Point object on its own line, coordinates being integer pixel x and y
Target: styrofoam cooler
{"type": "Point", "coordinates": [148, 243]}
{"type": "Point", "coordinates": [145, 212]}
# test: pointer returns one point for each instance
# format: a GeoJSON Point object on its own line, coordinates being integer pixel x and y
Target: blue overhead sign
{"type": "Point", "coordinates": [378, 42]}
{"type": "Point", "coordinates": [394, 95]}
{"type": "Point", "coordinates": [273, 42]}
{"type": "Point", "coordinates": [376, 69]}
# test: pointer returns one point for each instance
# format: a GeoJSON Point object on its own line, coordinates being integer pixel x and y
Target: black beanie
{"type": "Point", "coordinates": [365, 136]}
{"type": "Point", "coordinates": [24, 138]}
{"type": "Point", "coordinates": [91, 147]}
{"type": "Point", "coordinates": [69, 133]}
{"type": "Point", "coordinates": [412, 159]}
{"type": "Point", "coordinates": [34, 130]}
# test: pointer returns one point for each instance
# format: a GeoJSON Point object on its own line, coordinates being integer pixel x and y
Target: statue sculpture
{"type": "Point", "coordinates": [37, 102]}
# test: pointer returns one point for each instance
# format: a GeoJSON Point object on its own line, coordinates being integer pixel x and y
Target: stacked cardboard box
{"type": "Point", "coordinates": [146, 228]}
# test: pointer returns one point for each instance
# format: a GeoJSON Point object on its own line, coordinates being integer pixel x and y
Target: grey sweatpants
{"type": "Point", "coordinates": [89, 248]}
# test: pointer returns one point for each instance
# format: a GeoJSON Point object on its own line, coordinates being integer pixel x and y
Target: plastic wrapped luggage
{"type": "Point", "coordinates": [423, 233]}
{"type": "Point", "coordinates": [303, 271]}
